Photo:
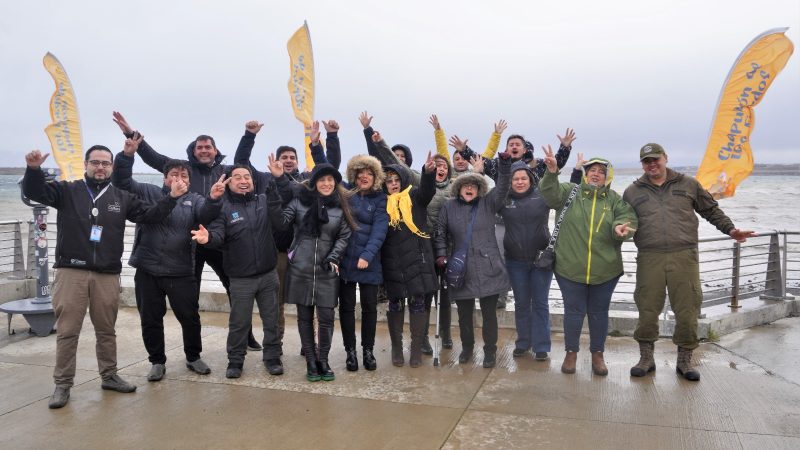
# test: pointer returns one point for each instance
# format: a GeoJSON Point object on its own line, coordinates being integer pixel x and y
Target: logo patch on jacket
{"type": "Point", "coordinates": [114, 207]}
{"type": "Point", "coordinates": [187, 203]}
{"type": "Point", "coordinates": [235, 217]}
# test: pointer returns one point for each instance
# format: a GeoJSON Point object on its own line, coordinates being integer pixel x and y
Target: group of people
{"type": "Point", "coordinates": [315, 238]}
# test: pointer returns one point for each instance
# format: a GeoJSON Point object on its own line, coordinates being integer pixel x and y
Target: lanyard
{"type": "Point", "coordinates": [95, 211]}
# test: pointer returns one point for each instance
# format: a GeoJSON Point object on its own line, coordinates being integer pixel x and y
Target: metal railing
{"type": "Point", "coordinates": [766, 266]}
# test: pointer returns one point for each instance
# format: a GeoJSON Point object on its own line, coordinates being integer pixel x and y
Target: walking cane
{"type": "Point", "coordinates": [437, 340]}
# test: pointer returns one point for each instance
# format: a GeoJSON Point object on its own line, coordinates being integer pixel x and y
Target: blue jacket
{"type": "Point", "coordinates": [369, 211]}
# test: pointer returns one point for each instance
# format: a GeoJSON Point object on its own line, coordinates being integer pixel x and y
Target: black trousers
{"type": "Point", "coordinates": [466, 309]}
{"type": "Point", "coordinates": [347, 313]}
{"type": "Point", "coordinates": [305, 325]}
{"type": "Point", "coordinates": [183, 298]}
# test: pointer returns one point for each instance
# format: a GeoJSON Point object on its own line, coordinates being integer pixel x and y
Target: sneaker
{"type": "Point", "coordinates": [518, 352]}
{"type": "Point", "coordinates": [274, 366]}
{"type": "Point", "coordinates": [157, 372]}
{"type": "Point", "coordinates": [59, 398]}
{"type": "Point", "coordinates": [198, 366]}
{"type": "Point", "coordinates": [540, 356]}
{"type": "Point", "coordinates": [233, 372]}
{"type": "Point", "coordinates": [116, 383]}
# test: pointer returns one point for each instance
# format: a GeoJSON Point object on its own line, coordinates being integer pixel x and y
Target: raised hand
{"type": "Point", "coordinates": [219, 187]}
{"type": "Point", "coordinates": [569, 136]}
{"type": "Point", "coordinates": [315, 132]}
{"type": "Point", "coordinates": [434, 121]}
{"type": "Point", "coordinates": [457, 143]}
{"type": "Point", "coordinates": [362, 264]}
{"type": "Point", "coordinates": [579, 162]}
{"type": "Point", "coordinates": [331, 126]}
{"type": "Point", "coordinates": [741, 235]}
{"type": "Point", "coordinates": [275, 166]}
{"type": "Point", "coordinates": [623, 229]}
{"type": "Point", "coordinates": [121, 122]}
{"type": "Point", "coordinates": [477, 163]}
{"type": "Point", "coordinates": [430, 163]}
{"type": "Point", "coordinates": [35, 159]}
{"type": "Point", "coordinates": [178, 188]}
{"type": "Point", "coordinates": [500, 126]}
{"type": "Point", "coordinates": [132, 144]}
{"type": "Point", "coordinates": [550, 159]}
{"type": "Point", "coordinates": [200, 235]}
{"type": "Point", "coordinates": [376, 137]}
{"type": "Point", "coordinates": [365, 119]}
{"type": "Point", "coordinates": [253, 126]}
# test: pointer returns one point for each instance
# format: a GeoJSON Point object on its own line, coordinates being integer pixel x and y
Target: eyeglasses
{"type": "Point", "coordinates": [96, 163]}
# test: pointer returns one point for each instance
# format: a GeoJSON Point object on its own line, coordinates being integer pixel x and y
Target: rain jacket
{"type": "Point", "coordinates": [588, 249]}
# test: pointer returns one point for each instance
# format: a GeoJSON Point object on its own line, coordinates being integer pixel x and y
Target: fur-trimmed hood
{"type": "Point", "coordinates": [360, 162]}
{"type": "Point", "coordinates": [473, 178]}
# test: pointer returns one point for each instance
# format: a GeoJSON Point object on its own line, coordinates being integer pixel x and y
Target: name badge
{"type": "Point", "coordinates": [97, 232]}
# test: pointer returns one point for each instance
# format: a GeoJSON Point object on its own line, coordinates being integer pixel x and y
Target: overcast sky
{"type": "Point", "coordinates": [622, 73]}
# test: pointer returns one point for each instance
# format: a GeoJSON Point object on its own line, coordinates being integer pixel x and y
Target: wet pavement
{"type": "Point", "coordinates": [749, 397]}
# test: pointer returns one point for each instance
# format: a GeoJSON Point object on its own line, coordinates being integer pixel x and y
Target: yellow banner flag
{"type": "Point", "coordinates": [65, 131]}
{"type": "Point", "coordinates": [301, 83]}
{"type": "Point", "coordinates": [729, 158]}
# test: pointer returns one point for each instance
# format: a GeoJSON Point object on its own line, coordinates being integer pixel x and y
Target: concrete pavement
{"type": "Point", "coordinates": [749, 397]}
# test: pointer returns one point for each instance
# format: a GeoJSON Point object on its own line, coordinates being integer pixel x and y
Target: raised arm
{"type": "Point", "coordinates": [561, 156]}
{"type": "Point", "coordinates": [333, 151]}
{"type": "Point", "coordinates": [122, 175]}
{"type": "Point", "coordinates": [33, 182]}
{"type": "Point", "coordinates": [553, 193]}
{"type": "Point", "coordinates": [244, 150]}
{"type": "Point", "coordinates": [150, 157]}
{"type": "Point", "coordinates": [439, 136]}
{"type": "Point", "coordinates": [497, 196]}
{"type": "Point", "coordinates": [494, 139]}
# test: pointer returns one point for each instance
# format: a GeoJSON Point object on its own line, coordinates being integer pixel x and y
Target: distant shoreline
{"type": "Point", "coordinates": [760, 169]}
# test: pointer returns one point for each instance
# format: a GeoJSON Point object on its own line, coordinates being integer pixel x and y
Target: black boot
{"type": "Point", "coordinates": [418, 327]}
{"type": "Point", "coordinates": [369, 359]}
{"type": "Point", "coordinates": [395, 322]}
{"type": "Point", "coordinates": [325, 370]}
{"type": "Point", "coordinates": [352, 360]}
{"type": "Point", "coordinates": [312, 372]}
{"type": "Point", "coordinates": [325, 338]}
{"type": "Point", "coordinates": [426, 343]}
{"type": "Point", "coordinates": [444, 325]}
{"type": "Point", "coordinates": [306, 330]}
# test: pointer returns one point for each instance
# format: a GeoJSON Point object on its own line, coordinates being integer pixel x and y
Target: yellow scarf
{"type": "Point", "coordinates": [399, 208]}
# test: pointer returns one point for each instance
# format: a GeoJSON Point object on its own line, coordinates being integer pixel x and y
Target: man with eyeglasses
{"type": "Point", "coordinates": [91, 227]}
{"type": "Point", "coordinates": [665, 202]}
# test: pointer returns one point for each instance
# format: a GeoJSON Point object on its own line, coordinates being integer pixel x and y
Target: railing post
{"type": "Point", "coordinates": [19, 260]}
{"type": "Point", "coordinates": [774, 284]}
{"type": "Point", "coordinates": [737, 253]}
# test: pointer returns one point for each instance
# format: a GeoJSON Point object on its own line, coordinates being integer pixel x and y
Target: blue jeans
{"type": "Point", "coordinates": [580, 300]}
{"type": "Point", "coordinates": [531, 288]}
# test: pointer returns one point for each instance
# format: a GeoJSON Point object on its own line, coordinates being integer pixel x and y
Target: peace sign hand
{"type": "Point", "coordinates": [550, 159]}
{"type": "Point", "coordinates": [275, 166]}
{"type": "Point", "coordinates": [219, 187]}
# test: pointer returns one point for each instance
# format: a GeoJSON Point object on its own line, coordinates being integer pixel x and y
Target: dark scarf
{"type": "Point", "coordinates": [317, 214]}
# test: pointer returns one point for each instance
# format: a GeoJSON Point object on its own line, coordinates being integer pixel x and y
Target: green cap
{"type": "Point", "coordinates": [651, 150]}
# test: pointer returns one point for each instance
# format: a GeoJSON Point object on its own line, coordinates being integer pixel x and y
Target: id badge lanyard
{"type": "Point", "coordinates": [96, 232]}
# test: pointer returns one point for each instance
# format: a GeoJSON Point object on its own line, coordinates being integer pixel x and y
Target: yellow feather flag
{"type": "Point", "coordinates": [729, 158]}
{"type": "Point", "coordinates": [301, 83]}
{"type": "Point", "coordinates": [65, 131]}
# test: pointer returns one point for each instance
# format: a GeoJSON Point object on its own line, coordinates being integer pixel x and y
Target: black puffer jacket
{"type": "Point", "coordinates": [203, 176]}
{"type": "Point", "coordinates": [407, 259]}
{"type": "Point", "coordinates": [74, 249]}
{"type": "Point", "coordinates": [243, 230]}
{"type": "Point", "coordinates": [164, 249]}
{"type": "Point", "coordinates": [308, 280]}
{"type": "Point", "coordinates": [526, 217]}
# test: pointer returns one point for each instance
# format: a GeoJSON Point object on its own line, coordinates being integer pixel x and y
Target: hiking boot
{"type": "Point", "coordinates": [489, 360]}
{"type": "Point", "coordinates": [518, 352]}
{"type": "Point", "coordinates": [116, 383]}
{"type": "Point", "coordinates": [198, 366]}
{"type": "Point", "coordinates": [540, 356]}
{"type": "Point", "coordinates": [684, 365]}
{"type": "Point", "coordinates": [598, 364]}
{"type": "Point", "coordinates": [59, 398]}
{"type": "Point", "coordinates": [352, 360]}
{"type": "Point", "coordinates": [466, 354]}
{"type": "Point", "coordinates": [646, 362]}
{"type": "Point", "coordinates": [369, 359]}
{"type": "Point", "coordinates": [274, 366]}
{"type": "Point", "coordinates": [325, 371]}
{"type": "Point", "coordinates": [157, 372]}
{"type": "Point", "coordinates": [233, 371]}
{"type": "Point", "coordinates": [570, 359]}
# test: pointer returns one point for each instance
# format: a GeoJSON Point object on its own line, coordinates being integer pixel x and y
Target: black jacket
{"type": "Point", "coordinates": [74, 249]}
{"type": "Point", "coordinates": [164, 249]}
{"type": "Point", "coordinates": [407, 259]}
{"type": "Point", "coordinates": [244, 229]}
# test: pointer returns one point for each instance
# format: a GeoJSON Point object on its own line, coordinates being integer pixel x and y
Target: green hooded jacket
{"type": "Point", "coordinates": [588, 249]}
